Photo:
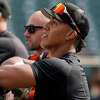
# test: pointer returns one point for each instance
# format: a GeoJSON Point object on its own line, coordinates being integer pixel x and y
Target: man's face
{"type": "Point", "coordinates": [33, 36]}
{"type": "Point", "coordinates": [33, 32]}
{"type": "Point", "coordinates": [55, 35]}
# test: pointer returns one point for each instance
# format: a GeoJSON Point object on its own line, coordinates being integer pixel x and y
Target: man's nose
{"type": "Point", "coordinates": [26, 33]}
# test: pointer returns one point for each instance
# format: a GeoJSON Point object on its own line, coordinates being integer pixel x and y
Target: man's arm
{"type": "Point", "coordinates": [20, 75]}
{"type": "Point", "coordinates": [17, 60]}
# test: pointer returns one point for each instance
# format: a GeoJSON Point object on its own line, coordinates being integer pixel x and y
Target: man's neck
{"type": "Point", "coordinates": [38, 51]}
{"type": "Point", "coordinates": [54, 52]}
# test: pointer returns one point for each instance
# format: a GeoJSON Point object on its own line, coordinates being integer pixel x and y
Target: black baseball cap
{"type": "Point", "coordinates": [4, 9]}
{"type": "Point", "coordinates": [71, 14]}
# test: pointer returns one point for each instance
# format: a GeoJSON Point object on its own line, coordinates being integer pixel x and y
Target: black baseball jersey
{"type": "Point", "coordinates": [60, 79]}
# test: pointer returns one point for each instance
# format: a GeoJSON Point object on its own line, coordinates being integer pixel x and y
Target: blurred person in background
{"type": "Point", "coordinates": [33, 32]}
{"type": "Point", "coordinates": [10, 45]}
{"type": "Point", "coordinates": [59, 76]}
{"type": "Point", "coordinates": [94, 82]}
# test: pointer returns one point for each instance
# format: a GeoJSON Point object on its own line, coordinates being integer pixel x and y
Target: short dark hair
{"type": "Point", "coordinates": [4, 9]}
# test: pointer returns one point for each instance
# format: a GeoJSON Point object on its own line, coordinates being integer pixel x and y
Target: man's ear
{"type": "Point", "coordinates": [71, 35]}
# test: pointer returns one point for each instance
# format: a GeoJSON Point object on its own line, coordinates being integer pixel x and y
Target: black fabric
{"type": "Point", "coordinates": [11, 46]}
{"type": "Point", "coordinates": [60, 79]}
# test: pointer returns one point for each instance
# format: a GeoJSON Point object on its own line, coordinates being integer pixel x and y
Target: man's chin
{"type": "Point", "coordinates": [43, 45]}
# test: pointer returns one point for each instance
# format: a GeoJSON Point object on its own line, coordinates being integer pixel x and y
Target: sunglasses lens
{"type": "Point", "coordinates": [31, 28]}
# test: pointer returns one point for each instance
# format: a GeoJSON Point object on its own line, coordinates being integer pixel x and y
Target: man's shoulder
{"type": "Point", "coordinates": [5, 41]}
{"type": "Point", "coordinates": [54, 64]}
{"type": "Point", "coordinates": [5, 34]}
